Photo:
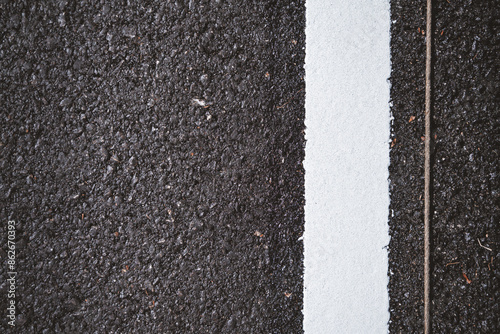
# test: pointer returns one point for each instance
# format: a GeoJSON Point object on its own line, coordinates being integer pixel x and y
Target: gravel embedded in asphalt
{"type": "Point", "coordinates": [465, 275]}
{"type": "Point", "coordinates": [151, 155]}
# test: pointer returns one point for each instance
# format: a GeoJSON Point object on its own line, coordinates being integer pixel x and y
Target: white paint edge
{"type": "Point", "coordinates": [346, 166]}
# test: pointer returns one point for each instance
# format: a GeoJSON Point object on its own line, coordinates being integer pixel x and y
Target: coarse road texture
{"type": "Point", "coordinates": [138, 208]}
{"type": "Point", "coordinates": [464, 276]}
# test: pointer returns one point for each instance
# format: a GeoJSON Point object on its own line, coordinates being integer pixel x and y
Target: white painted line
{"type": "Point", "coordinates": [346, 165]}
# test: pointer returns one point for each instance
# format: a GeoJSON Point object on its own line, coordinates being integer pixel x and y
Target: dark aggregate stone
{"type": "Point", "coordinates": [139, 208]}
{"type": "Point", "coordinates": [465, 167]}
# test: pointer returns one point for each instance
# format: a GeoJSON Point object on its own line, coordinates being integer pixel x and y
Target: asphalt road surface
{"type": "Point", "coordinates": [151, 157]}
{"type": "Point", "coordinates": [465, 213]}
{"type": "Point", "coordinates": [151, 161]}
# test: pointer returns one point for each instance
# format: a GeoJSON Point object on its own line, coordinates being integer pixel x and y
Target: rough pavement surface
{"type": "Point", "coordinates": [151, 155]}
{"type": "Point", "coordinates": [465, 276]}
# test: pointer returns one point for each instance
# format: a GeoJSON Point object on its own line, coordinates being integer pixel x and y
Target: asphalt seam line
{"type": "Point", "coordinates": [427, 204]}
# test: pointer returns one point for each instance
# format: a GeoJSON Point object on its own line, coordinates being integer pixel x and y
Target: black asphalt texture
{"type": "Point", "coordinates": [151, 157]}
{"type": "Point", "coordinates": [465, 167]}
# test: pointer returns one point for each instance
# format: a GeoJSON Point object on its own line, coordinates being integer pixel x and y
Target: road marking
{"type": "Point", "coordinates": [346, 164]}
